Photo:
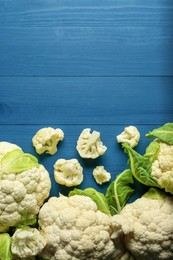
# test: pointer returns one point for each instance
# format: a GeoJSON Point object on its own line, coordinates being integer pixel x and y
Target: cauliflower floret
{"type": "Point", "coordinates": [89, 144]}
{"type": "Point", "coordinates": [46, 140]}
{"type": "Point", "coordinates": [6, 147]}
{"type": "Point", "coordinates": [101, 175]}
{"type": "Point", "coordinates": [27, 242]}
{"type": "Point", "coordinates": [68, 172]}
{"type": "Point", "coordinates": [75, 229]}
{"type": "Point", "coordinates": [130, 135]}
{"type": "Point", "coordinates": [162, 167]}
{"type": "Point", "coordinates": [147, 227]}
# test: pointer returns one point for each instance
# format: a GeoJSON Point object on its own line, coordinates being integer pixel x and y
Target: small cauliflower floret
{"type": "Point", "coordinates": [75, 229]}
{"type": "Point", "coordinates": [89, 144]}
{"type": "Point", "coordinates": [162, 167]}
{"type": "Point", "coordinates": [47, 139]}
{"type": "Point", "coordinates": [101, 175]}
{"type": "Point", "coordinates": [147, 226]}
{"type": "Point", "coordinates": [6, 147]}
{"type": "Point", "coordinates": [130, 135]}
{"type": "Point", "coordinates": [68, 172]}
{"type": "Point", "coordinates": [27, 242]}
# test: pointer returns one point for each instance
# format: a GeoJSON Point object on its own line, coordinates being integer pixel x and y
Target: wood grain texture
{"type": "Point", "coordinates": [82, 100]}
{"type": "Point", "coordinates": [86, 51]}
{"type": "Point", "coordinates": [86, 38]}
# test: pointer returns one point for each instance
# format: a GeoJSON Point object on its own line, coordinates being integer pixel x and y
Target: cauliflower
{"type": "Point", "coordinates": [27, 242]}
{"type": "Point", "coordinates": [24, 185]}
{"type": "Point", "coordinates": [68, 172]}
{"type": "Point", "coordinates": [101, 175]}
{"type": "Point", "coordinates": [147, 226]}
{"type": "Point", "coordinates": [46, 140]}
{"type": "Point", "coordinates": [162, 167]}
{"type": "Point", "coordinates": [6, 147]}
{"type": "Point", "coordinates": [75, 229]}
{"type": "Point", "coordinates": [155, 167]}
{"type": "Point", "coordinates": [89, 144]}
{"type": "Point", "coordinates": [130, 135]}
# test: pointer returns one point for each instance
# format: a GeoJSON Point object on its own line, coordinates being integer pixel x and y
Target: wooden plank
{"type": "Point", "coordinates": [77, 13]}
{"type": "Point", "coordinates": [90, 100]}
{"type": "Point", "coordinates": [114, 160]}
{"type": "Point", "coordinates": [86, 51]}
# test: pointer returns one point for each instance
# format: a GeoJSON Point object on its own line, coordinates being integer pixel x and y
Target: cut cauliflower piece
{"type": "Point", "coordinates": [101, 175]}
{"type": "Point", "coordinates": [47, 139]}
{"type": "Point", "coordinates": [147, 226]}
{"type": "Point", "coordinates": [75, 229]}
{"type": "Point", "coordinates": [27, 242]}
{"type": "Point", "coordinates": [22, 189]}
{"type": "Point", "coordinates": [89, 144]}
{"type": "Point", "coordinates": [130, 135]}
{"type": "Point", "coordinates": [68, 172]}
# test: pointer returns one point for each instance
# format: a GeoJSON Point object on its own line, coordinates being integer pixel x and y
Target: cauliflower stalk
{"type": "Point", "coordinates": [75, 229]}
{"type": "Point", "coordinates": [147, 226]}
{"type": "Point", "coordinates": [155, 167]}
{"type": "Point", "coordinates": [101, 175]}
{"type": "Point", "coordinates": [24, 185]}
{"type": "Point", "coordinates": [68, 172]}
{"type": "Point", "coordinates": [89, 144]}
{"type": "Point", "coordinates": [47, 139]}
{"type": "Point", "coordinates": [130, 135]}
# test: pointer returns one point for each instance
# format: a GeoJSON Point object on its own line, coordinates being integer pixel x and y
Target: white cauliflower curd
{"type": "Point", "coordinates": [130, 135]}
{"type": "Point", "coordinates": [68, 172]}
{"type": "Point", "coordinates": [47, 139]}
{"type": "Point", "coordinates": [24, 185]}
{"type": "Point", "coordinates": [27, 242]}
{"type": "Point", "coordinates": [147, 226]}
{"type": "Point", "coordinates": [75, 229]}
{"type": "Point", "coordinates": [101, 175]}
{"type": "Point", "coordinates": [89, 144]}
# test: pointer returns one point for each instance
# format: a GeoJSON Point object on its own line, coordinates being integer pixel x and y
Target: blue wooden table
{"type": "Point", "coordinates": [77, 64]}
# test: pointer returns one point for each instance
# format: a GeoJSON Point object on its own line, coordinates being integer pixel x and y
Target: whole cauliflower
{"type": "Point", "coordinates": [68, 172]}
{"type": "Point", "coordinates": [89, 144]}
{"type": "Point", "coordinates": [101, 175]}
{"type": "Point", "coordinates": [24, 185]}
{"type": "Point", "coordinates": [147, 226]}
{"type": "Point", "coordinates": [155, 167]}
{"type": "Point", "coordinates": [130, 135]}
{"type": "Point", "coordinates": [27, 242]}
{"type": "Point", "coordinates": [46, 140]}
{"type": "Point", "coordinates": [162, 166]}
{"type": "Point", "coordinates": [75, 229]}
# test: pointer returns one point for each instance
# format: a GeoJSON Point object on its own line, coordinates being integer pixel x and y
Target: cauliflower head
{"type": "Point", "coordinates": [130, 135]}
{"type": "Point", "coordinates": [147, 226]}
{"type": "Point", "coordinates": [27, 242]}
{"type": "Point", "coordinates": [68, 172]}
{"type": "Point", "coordinates": [101, 175]}
{"type": "Point", "coordinates": [47, 139]}
{"type": "Point", "coordinates": [24, 185]}
{"type": "Point", "coordinates": [75, 229]}
{"type": "Point", "coordinates": [162, 166]}
{"type": "Point", "coordinates": [89, 144]}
